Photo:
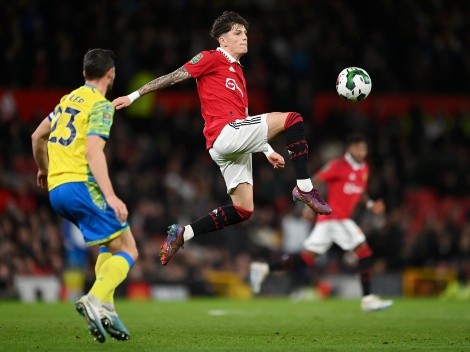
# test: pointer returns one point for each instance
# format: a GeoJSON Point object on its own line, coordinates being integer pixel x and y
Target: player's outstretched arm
{"type": "Point", "coordinates": [161, 82]}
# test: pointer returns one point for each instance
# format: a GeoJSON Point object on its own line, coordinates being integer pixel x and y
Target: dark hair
{"type": "Point", "coordinates": [97, 62]}
{"type": "Point", "coordinates": [225, 22]}
{"type": "Point", "coordinates": [355, 137]}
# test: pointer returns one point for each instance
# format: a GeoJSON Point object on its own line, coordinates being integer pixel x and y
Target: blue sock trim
{"type": "Point", "coordinates": [127, 257]}
{"type": "Point", "coordinates": [104, 249]}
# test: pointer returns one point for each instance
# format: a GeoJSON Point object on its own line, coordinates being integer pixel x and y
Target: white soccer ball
{"type": "Point", "coordinates": [353, 84]}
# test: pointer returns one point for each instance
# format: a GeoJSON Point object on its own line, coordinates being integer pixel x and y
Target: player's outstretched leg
{"type": "Point", "coordinates": [112, 324]}
{"type": "Point", "coordinates": [173, 242]}
{"type": "Point", "coordinates": [90, 312]}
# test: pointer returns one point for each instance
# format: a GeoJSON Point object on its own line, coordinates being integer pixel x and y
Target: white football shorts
{"type": "Point", "coordinates": [345, 233]}
{"type": "Point", "coordinates": [233, 148]}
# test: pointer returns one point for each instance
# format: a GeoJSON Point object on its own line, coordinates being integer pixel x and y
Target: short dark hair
{"type": "Point", "coordinates": [355, 137]}
{"type": "Point", "coordinates": [225, 22]}
{"type": "Point", "coordinates": [97, 62]}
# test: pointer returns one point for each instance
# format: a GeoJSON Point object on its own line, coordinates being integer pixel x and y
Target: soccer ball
{"type": "Point", "coordinates": [353, 84]}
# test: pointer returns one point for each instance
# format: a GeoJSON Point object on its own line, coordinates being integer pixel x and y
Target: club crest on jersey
{"type": "Point", "coordinates": [196, 58]}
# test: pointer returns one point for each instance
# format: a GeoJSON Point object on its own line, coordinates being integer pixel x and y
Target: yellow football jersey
{"type": "Point", "coordinates": [85, 111]}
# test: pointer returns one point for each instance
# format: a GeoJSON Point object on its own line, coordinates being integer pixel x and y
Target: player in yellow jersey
{"type": "Point", "coordinates": [68, 147]}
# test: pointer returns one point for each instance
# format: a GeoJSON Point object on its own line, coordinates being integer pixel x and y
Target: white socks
{"type": "Point", "coordinates": [188, 233]}
{"type": "Point", "coordinates": [305, 185]}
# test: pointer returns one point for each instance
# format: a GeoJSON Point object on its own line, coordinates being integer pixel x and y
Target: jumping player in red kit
{"type": "Point", "coordinates": [345, 179]}
{"type": "Point", "coordinates": [232, 135]}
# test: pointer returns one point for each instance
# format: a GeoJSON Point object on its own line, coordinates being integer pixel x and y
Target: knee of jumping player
{"type": "Point", "coordinates": [292, 119]}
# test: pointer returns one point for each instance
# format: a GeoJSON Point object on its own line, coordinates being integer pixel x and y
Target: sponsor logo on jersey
{"type": "Point", "coordinates": [196, 58]}
{"type": "Point", "coordinates": [351, 188]}
{"type": "Point", "coordinates": [232, 85]}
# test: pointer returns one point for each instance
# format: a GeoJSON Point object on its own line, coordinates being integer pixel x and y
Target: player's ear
{"type": "Point", "coordinates": [111, 72]}
{"type": "Point", "coordinates": [222, 40]}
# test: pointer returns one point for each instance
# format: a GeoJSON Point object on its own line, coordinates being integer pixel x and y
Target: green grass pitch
{"type": "Point", "coordinates": [261, 324]}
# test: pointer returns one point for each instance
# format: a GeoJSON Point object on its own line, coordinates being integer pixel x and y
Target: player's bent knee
{"type": "Point", "coordinates": [132, 251]}
{"type": "Point", "coordinates": [363, 251]}
{"type": "Point", "coordinates": [292, 119]}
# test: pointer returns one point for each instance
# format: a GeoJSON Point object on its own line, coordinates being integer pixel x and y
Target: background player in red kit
{"type": "Point", "coordinates": [345, 179]}
{"type": "Point", "coordinates": [232, 135]}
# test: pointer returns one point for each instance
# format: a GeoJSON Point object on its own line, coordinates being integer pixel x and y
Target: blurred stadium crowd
{"type": "Point", "coordinates": [419, 161]}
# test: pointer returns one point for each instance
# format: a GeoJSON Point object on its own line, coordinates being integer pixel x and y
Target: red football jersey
{"type": "Point", "coordinates": [221, 87]}
{"type": "Point", "coordinates": [345, 183]}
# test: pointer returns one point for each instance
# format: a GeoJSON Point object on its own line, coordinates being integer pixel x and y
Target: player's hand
{"type": "Point", "coordinates": [276, 160]}
{"type": "Point", "coordinates": [41, 179]}
{"type": "Point", "coordinates": [120, 209]}
{"type": "Point", "coordinates": [121, 102]}
{"type": "Point", "coordinates": [378, 207]}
